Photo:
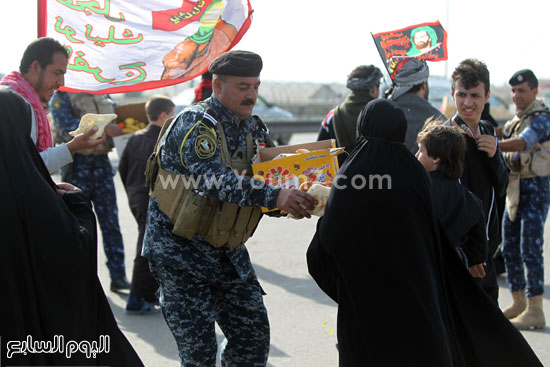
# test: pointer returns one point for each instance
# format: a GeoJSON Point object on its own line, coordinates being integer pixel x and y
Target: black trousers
{"type": "Point", "coordinates": [143, 283]}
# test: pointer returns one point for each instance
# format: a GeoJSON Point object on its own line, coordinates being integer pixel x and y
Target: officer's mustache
{"type": "Point", "coordinates": [248, 102]}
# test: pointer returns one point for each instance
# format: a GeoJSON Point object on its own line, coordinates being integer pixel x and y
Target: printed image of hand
{"type": "Point", "coordinates": [487, 144]}
{"type": "Point", "coordinates": [84, 141]}
{"type": "Point", "coordinates": [296, 202]}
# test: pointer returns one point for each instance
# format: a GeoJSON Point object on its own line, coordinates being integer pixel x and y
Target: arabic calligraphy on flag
{"type": "Point", "coordinates": [426, 41]}
{"type": "Point", "coordinates": [119, 46]}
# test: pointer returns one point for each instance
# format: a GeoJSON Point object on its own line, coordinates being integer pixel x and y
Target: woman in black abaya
{"type": "Point", "coordinates": [48, 266]}
{"type": "Point", "coordinates": [404, 298]}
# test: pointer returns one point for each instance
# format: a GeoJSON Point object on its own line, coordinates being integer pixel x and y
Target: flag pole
{"type": "Point", "coordinates": [381, 56]}
{"type": "Point", "coordinates": [41, 18]}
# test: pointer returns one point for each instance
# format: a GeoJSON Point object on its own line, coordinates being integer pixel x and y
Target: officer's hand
{"type": "Point", "coordinates": [488, 144]}
{"type": "Point", "coordinates": [84, 141]}
{"type": "Point", "coordinates": [296, 202]}
{"type": "Point", "coordinates": [477, 271]}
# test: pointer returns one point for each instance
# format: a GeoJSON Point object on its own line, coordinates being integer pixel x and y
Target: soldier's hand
{"type": "Point", "coordinates": [488, 144]}
{"type": "Point", "coordinates": [477, 271]}
{"type": "Point", "coordinates": [296, 202]}
{"type": "Point", "coordinates": [84, 141]}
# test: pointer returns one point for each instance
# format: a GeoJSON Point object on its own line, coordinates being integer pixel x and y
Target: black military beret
{"type": "Point", "coordinates": [521, 76]}
{"type": "Point", "coordinates": [237, 63]}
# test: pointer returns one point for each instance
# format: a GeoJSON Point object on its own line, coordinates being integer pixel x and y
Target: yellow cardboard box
{"type": "Point", "coordinates": [320, 164]}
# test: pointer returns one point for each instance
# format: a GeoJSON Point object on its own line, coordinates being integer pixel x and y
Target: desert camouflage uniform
{"type": "Point", "coordinates": [200, 284]}
{"type": "Point", "coordinates": [523, 238]}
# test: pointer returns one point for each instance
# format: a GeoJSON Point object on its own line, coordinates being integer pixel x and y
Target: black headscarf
{"type": "Point", "coordinates": [48, 257]}
{"type": "Point", "coordinates": [379, 254]}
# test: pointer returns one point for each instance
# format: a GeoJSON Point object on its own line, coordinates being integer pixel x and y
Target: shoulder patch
{"type": "Point", "coordinates": [205, 145]}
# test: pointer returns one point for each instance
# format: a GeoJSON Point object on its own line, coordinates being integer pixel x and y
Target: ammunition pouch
{"type": "Point", "coordinates": [534, 162]}
{"type": "Point", "coordinates": [194, 213]}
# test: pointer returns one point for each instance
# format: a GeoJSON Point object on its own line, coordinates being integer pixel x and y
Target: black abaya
{"type": "Point", "coordinates": [379, 253]}
{"type": "Point", "coordinates": [48, 265]}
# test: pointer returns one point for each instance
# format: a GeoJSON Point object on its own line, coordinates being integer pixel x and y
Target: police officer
{"type": "Point", "coordinates": [91, 171]}
{"type": "Point", "coordinates": [527, 200]}
{"type": "Point", "coordinates": [204, 205]}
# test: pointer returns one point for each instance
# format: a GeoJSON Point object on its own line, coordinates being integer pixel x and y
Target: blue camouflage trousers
{"type": "Point", "coordinates": [191, 307]}
{"type": "Point", "coordinates": [93, 174]}
{"type": "Point", "coordinates": [523, 238]}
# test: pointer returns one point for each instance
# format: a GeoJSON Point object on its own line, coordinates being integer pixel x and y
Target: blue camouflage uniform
{"type": "Point", "coordinates": [93, 174]}
{"type": "Point", "coordinates": [201, 284]}
{"type": "Point", "coordinates": [523, 237]}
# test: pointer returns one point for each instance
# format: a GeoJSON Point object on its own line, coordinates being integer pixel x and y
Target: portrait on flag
{"type": "Point", "coordinates": [426, 41]}
{"type": "Point", "coordinates": [116, 46]}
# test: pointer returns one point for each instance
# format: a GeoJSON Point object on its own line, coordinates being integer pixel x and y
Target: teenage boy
{"type": "Point", "coordinates": [485, 173]}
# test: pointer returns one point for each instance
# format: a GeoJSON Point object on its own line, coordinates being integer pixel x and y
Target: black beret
{"type": "Point", "coordinates": [521, 76]}
{"type": "Point", "coordinates": [237, 63]}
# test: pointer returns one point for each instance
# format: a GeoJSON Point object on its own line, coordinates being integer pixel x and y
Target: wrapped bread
{"type": "Point", "coordinates": [302, 151]}
{"type": "Point", "coordinates": [319, 191]}
{"type": "Point", "coordinates": [91, 120]}
{"type": "Point", "coordinates": [283, 155]}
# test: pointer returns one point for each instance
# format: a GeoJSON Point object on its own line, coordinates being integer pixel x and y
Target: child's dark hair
{"type": "Point", "coordinates": [446, 143]}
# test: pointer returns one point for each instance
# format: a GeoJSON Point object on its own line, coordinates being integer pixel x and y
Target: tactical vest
{"type": "Point", "coordinates": [193, 212]}
{"type": "Point", "coordinates": [534, 162]}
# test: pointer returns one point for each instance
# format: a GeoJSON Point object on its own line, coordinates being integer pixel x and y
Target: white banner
{"type": "Point", "coordinates": [128, 46]}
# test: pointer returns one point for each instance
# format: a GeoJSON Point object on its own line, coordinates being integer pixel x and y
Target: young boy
{"type": "Point", "coordinates": [142, 298]}
{"type": "Point", "coordinates": [441, 151]}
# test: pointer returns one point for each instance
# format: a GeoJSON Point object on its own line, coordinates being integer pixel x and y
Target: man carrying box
{"type": "Point", "coordinates": [204, 206]}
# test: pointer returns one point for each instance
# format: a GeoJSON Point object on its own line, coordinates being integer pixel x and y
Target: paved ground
{"type": "Point", "coordinates": [302, 318]}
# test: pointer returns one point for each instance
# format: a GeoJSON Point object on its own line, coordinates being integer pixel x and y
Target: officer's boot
{"type": "Point", "coordinates": [532, 317]}
{"type": "Point", "coordinates": [519, 303]}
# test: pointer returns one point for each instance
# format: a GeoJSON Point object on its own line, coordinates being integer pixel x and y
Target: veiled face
{"type": "Point", "coordinates": [383, 119]}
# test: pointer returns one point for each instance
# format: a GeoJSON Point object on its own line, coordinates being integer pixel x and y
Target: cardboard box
{"type": "Point", "coordinates": [135, 110]}
{"type": "Point", "coordinates": [320, 164]}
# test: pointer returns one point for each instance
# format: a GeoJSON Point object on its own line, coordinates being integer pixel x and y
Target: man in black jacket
{"type": "Point", "coordinates": [485, 173]}
{"type": "Point", "coordinates": [132, 165]}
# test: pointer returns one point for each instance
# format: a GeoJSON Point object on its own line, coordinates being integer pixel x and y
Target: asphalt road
{"type": "Point", "coordinates": [302, 317]}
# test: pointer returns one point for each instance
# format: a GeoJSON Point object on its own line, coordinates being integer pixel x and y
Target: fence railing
{"type": "Point", "coordinates": [306, 125]}
{"type": "Point", "coordinates": [294, 125]}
